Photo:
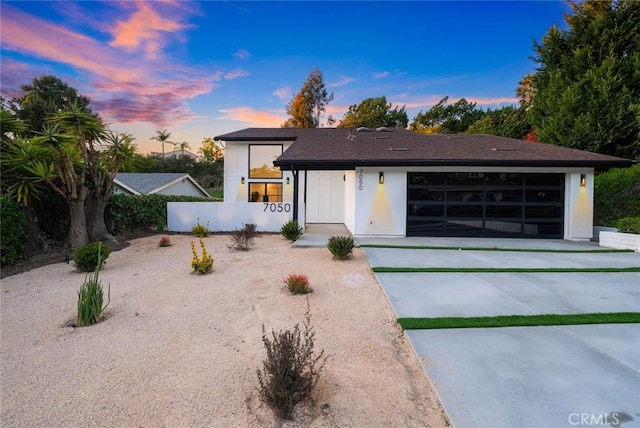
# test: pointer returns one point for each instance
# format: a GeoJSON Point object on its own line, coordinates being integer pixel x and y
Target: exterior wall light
{"type": "Point", "coordinates": [381, 177]}
{"type": "Point", "coordinates": [288, 181]}
{"type": "Point", "coordinates": [583, 180]}
{"type": "Point", "coordinates": [242, 180]}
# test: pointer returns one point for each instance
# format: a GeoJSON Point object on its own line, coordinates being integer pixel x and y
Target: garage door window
{"type": "Point", "coordinates": [485, 204]}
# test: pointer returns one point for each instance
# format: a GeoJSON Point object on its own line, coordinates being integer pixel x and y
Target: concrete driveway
{"type": "Point", "coordinates": [587, 375]}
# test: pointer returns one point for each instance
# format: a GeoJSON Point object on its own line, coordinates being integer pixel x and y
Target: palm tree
{"type": "Point", "coordinates": [184, 145]}
{"type": "Point", "coordinates": [163, 137]}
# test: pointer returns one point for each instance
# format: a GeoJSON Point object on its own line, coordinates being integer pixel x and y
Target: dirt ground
{"type": "Point", "coordinates": [177, 349]}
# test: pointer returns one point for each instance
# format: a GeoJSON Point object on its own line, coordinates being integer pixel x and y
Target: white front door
{"type": "Point", "coordinates": [325, 197]}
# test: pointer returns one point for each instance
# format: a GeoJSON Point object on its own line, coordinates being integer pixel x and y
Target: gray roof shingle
{"type": "Point", "coordinates": [333, 148]}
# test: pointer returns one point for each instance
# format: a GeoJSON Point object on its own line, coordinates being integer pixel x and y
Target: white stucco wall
{"type": "Point", "coordinates": [578, 205]}
{"type": "Point", "coordinates": [236, 166]}
{"type": "Point", "coordinates": [227, 216]}
{"type": "Point", "coordinates": [380, 208]}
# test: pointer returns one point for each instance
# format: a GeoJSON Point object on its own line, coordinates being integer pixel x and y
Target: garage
{"type": "Point", "coordinates": [477, 204]}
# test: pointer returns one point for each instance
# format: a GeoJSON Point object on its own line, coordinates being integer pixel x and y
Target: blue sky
{"type": "Point", "coordinates": [200, 69]}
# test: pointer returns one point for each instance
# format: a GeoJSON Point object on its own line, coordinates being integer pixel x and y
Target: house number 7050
{"type": "Point", "coordinates": [277, 207]}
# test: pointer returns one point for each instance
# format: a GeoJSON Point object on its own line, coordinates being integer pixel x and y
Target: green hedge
{"type": "Point", "coordinates": [13, 229]}
{"type": "Point", "coordinates": [131, 212]}
{"type": "Point", "coordinates": [617, 195]}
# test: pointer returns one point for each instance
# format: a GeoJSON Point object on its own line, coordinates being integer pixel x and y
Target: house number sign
{"type": "Point", "coordinates": [277, 207]}
{"type": "Point", "coordinates": [360, 180]}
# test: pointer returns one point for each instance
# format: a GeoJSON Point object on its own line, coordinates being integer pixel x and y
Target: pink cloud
{"type": "Point", "coordinates": [253, 117]}
{"type": "Point", "coordinates": [283, 93]}
{"type": "Point", "coordinates": [123, 86]}
{"type": "Point", "coordinates": [144, 29]}
{"type": "Point", "coordinates": [235, 74]}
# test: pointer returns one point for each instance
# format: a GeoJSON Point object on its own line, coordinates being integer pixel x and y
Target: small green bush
{"type": "Point", "coordinates": [243, 239]}
{"type": "Point", "coordinates": [341, 247]}
{"type": "Point", "coordinates": [90, 297]}
{"type": "Point", "coordinates": [87, 257]}
{"type": "Point", "coordinates": [297, 283]}
{"type": "Point", "coordinates": [291, 230]}
{"type": "Point", "coordinates": [13, 229]}
{"type": "Point", "coordinates": [291, 370]}
{"type": "Point", "coordinates": [200, 230]}
{"type": "Point", "coordinates": [629, 225]}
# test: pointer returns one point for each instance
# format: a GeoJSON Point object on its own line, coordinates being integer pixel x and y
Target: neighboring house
{"type": "Point", "coordinates": [176, 153]}
{"type": "Point", "coordinates": [159, 183]}
{"type": "Point", "coordinates": [394, 182]}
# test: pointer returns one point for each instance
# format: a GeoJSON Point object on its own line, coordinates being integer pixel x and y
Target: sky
{"type": "Point", "coordinates": [202, 69]}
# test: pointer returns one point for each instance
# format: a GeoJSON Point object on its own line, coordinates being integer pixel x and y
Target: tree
{"type": "Point", "coordinates": [447, 119]}
{"type": "Point", "coordinates": [112, 152]}
{"type": "Point", "coordinates": [75, 156]}
{"type": "Point", "coordinates": [163, 136]}
{"type": "Point", "coordinates": [44, 97]}
{"type": "Point", "coordinates": [587, 85]}
{"type": "Point", "coordinates": [373, 113]}
{"type": "Point", "coordinates": [210, 150]}
{"type": "Point", "coordinates": [183, 146]}
{"type": "Point", "coordinates": [507, 121]}
{"type": "Point", "coordinates": [309, 103]}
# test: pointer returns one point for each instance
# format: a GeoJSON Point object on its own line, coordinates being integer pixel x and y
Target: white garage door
{"type": "Point", "coordinates": [325, 197]}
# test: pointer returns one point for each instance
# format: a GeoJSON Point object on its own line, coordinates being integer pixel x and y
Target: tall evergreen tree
{"type": "Point", "coordinates": [309, 103]}
{"type": "Point", "coordinates": [587, 86]}
{"type": "Point", "coordinates": [447, 119]}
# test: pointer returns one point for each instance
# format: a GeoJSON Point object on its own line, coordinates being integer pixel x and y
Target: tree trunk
{"type": "Point", "coordinates": [96, 226]}
{"type": "Point", "coordinates": [34, 244]}
{"type": "Point", "coordinates": [78, 235]}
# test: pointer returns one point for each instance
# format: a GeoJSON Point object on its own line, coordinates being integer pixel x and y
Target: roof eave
{"type": "Point", "coordinates": [288, 165]}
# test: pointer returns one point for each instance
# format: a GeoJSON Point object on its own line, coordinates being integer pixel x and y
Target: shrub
{"type": "Point", "coordinates": [165, 241]}
{"type": "Point", "coordinates": [291, 230]}
{"type": "Point", "coordinates": [617, 195]}
{"type": "Point", "coordinates": [243, 239]}
{"type": "Point", "coordinates": [629, 225]}
{"type": "Point", "coordinates": [291, 369]}
{"type": "Point", "coordinates": [131, 212]}
{"type": "Point", "coordinates": [90, 297]}
{"type": "Point", "coordinates": [341, 247]}
{"type": "Point", "coordinates": [200, 230]}
{"type": "Point", "coordinates": [202, 264]}
{"type": "Point", "coordinates": [297, 283]}
{"type": "Point", "coordinates": [91, 256]}
{"type": "Point", "coordinates": [13, 225]}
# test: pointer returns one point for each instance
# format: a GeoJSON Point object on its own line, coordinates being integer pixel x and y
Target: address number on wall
{"type": "Point", "coordinates": [277, 207]}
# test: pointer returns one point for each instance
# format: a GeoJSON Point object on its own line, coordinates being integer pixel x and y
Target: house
{"type": "Point", "coordinates": [176, 153]}
{"type": "Point", "coordinates": [396, 183]}
{"type": "Point", "coordinates": [160, 183]}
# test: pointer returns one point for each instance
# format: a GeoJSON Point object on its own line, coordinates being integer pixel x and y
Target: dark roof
{"type": "Point", "coordinates": [333, 148]}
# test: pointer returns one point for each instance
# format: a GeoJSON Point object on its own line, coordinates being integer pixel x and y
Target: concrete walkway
{"type": "Point", "coordinates": [565, 376]}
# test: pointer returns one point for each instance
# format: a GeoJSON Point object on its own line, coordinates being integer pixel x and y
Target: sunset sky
{"type": "Point", "coordinates": [200, 69]}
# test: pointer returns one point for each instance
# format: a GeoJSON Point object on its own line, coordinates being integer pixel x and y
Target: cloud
{"type": "Point", "coordinates": [342, 82]}
{"type": "Point", "coordinates": [235, 74]}
{"type": "Point", "coordinates": [242, 54]}
{"type": "Point", "coordinates": [123, 85]}
{"type": "Point", "coordinates": [380, 75]}
{"type": "Point", "coordinates": [144, 30]}
{"type": "Point", "coordinates": [283, 93]}
{"type": "Point", "coordinates": [253, 117]}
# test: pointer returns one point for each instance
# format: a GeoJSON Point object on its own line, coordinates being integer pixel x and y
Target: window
{"type": "Point", "coordinates": [265, 192]}
{"type": "Point", "coordinates": [261, 157]}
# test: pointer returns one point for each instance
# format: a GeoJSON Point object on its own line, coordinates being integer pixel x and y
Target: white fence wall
{"type": "Point", "coordinates": [228, 216]}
